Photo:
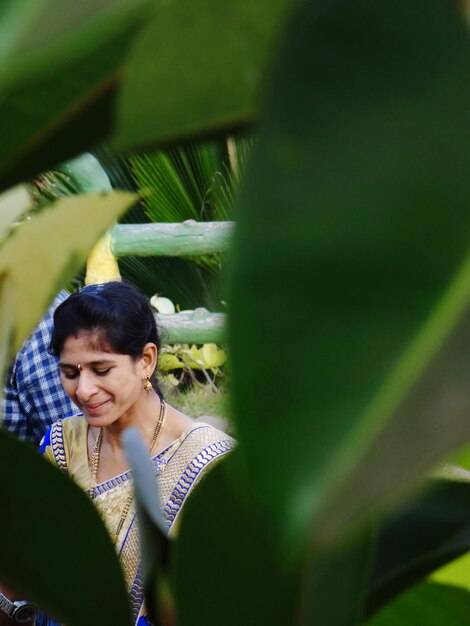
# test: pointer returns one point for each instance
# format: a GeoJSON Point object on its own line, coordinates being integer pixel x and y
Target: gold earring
{"type": "Point", "coordinates": [148, 384]}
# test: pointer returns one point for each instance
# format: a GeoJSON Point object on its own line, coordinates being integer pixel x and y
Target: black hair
{"type": "Point", "coordinates": [117, 311]}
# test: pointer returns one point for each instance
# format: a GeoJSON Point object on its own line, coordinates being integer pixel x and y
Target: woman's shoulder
{"type": "Point", "coordinates": [200, 434]}
{"type": "Point", "coordinates": [204, 432]}
{"type": "Point", "coordinates": [191, 436]}
{"type": "Point", "coordinates": [198, 449]}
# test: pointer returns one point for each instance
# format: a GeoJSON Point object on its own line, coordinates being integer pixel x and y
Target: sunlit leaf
{"type": "Point", "coordinates": [212, 355]}
{"type": "Point", "coordinates": [54, 244]}
{"type": "Point", "coordinates": [168, 362]}
{"type": "Point", "coordinates": [193, 357]}
{"type": "Point", "coordinates": [13, 203]}
{"type": "Point", "coordinates": [456, 573]}
{"type": "Point", "coordinates": [428, 603]}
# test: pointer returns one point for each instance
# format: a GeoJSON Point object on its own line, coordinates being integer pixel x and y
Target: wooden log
{"type": "Point", "coordinates": [182, 239]}
{"type": "Point", "coordinates": [197, 326]}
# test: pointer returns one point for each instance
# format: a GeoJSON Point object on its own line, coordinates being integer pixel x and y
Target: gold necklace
{"type": "Point", "coordinates": [95, 459]}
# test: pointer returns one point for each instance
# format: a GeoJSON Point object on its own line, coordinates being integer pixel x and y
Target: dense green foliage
{"type": "Point", "coordinates": [349, 296]}
{"type": "Point", "coordinates": [197, 182]}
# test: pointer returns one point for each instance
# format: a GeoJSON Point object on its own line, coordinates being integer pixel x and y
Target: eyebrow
{"type": "Point", "coordinates": [90, 363]}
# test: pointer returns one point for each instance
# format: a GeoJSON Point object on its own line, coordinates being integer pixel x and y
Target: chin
{"type": "Point", "coordinates": [99, 421]}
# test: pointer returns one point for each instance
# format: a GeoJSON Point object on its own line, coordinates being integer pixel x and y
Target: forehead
{"type": "Point", "coordinates": [87, 342]}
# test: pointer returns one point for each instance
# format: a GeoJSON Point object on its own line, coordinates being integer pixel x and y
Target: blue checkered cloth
{"type": "Point", "coordinates": [34, 397]}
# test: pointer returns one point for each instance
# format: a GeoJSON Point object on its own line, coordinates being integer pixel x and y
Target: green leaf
{"type": "Point", "coordinates": [205, 60]}
{"type": "Point", "coordinates": [193, 358]}
{"type": "Point", "coordinates": [462, 457]}
{"type": "Point", "coordinates": [44, 38]}
{"type": "Point", "coordinates": [54, 244]}
{"type": "Point", "coordinates": [430, 604]}
{"type": "Point", "coordinates": [15, 18]}
{"type": "Point", "coordinates": [168, 362]}
{"type": "Point", "coordinates": [55, 118]}
{"type": "Point", "coordinates": [426, 532]}
{"type": "Point", "coordinates": [191, 182]}
{"type": "Point", "coordinates": [422, 391]}
{"type": "Point", "coordinates": [456, 573]}
{"type": "Point", "coordinates": [337, 580]}
{"type": "Point", "coordinates": [240, 572]}
{"type": "Point", "coordinates": [187, 285]}
{"type": "Point", "coordinates": [13, 203]}
{"type": "Point", "coordinates": [54, 548]}
{"type": "Point", "coordinates": [346, 212]}
{"type": "Point", "coordinates": [194, 182]}
{"type": "Point", "coordinates": [212, 355]}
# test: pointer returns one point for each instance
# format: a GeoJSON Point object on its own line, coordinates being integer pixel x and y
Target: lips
{"type": "Point", "coordinates": [93, 409]}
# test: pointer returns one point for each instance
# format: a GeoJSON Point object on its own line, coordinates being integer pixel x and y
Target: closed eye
{"type": "Point", "coordinates": [103, 372]}
{"type": "Point", "coordinates": [69, 375]}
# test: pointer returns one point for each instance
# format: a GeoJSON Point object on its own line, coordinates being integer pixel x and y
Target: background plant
{"type": "Point", "coordinates": [197, 182]}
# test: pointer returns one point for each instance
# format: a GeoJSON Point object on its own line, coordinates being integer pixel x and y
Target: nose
{"type": "Point", "coordinates": [86, 387]}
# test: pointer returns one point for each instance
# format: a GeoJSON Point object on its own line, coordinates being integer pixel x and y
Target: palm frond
{"type": "Point", "coordinates": [186, 284]}
{"type": "Point", "coordinates": [197, 182]}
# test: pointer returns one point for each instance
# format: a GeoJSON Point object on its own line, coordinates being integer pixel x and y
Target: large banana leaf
{"type": "Point", "coordinates": [240, 572]}
{"type": "Point", "coordinates": [62, 70]}
{"type": "Point", "coordinates": [207, 79]}
{"type": "Point", "coordinates": [368, 238]}
{"type": "Point", "coordinates": [355, 213]}
{"type": "Point", "coordinates": [59, 116]}
{"type": "Point", "coordinates": [44, 37]}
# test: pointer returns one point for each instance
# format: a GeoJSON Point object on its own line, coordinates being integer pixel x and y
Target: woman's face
{"type": "Point", "coordinates": [106, 386]}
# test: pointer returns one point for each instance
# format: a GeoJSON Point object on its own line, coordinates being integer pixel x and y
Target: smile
{"type": "Point", "coordinates": [91, 409]}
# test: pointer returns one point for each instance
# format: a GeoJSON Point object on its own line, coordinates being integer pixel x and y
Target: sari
{"type": "Point", "coordinates": [179, 468]}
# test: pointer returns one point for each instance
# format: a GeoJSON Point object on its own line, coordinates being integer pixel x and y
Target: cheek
{"type": "Point", "coordinates": [122, 386]}
{"type": "Point", "coordinates": [68, 385]}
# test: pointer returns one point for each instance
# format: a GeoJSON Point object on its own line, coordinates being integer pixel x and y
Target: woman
{"type": "Point", "coordinates": [106, 339]}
